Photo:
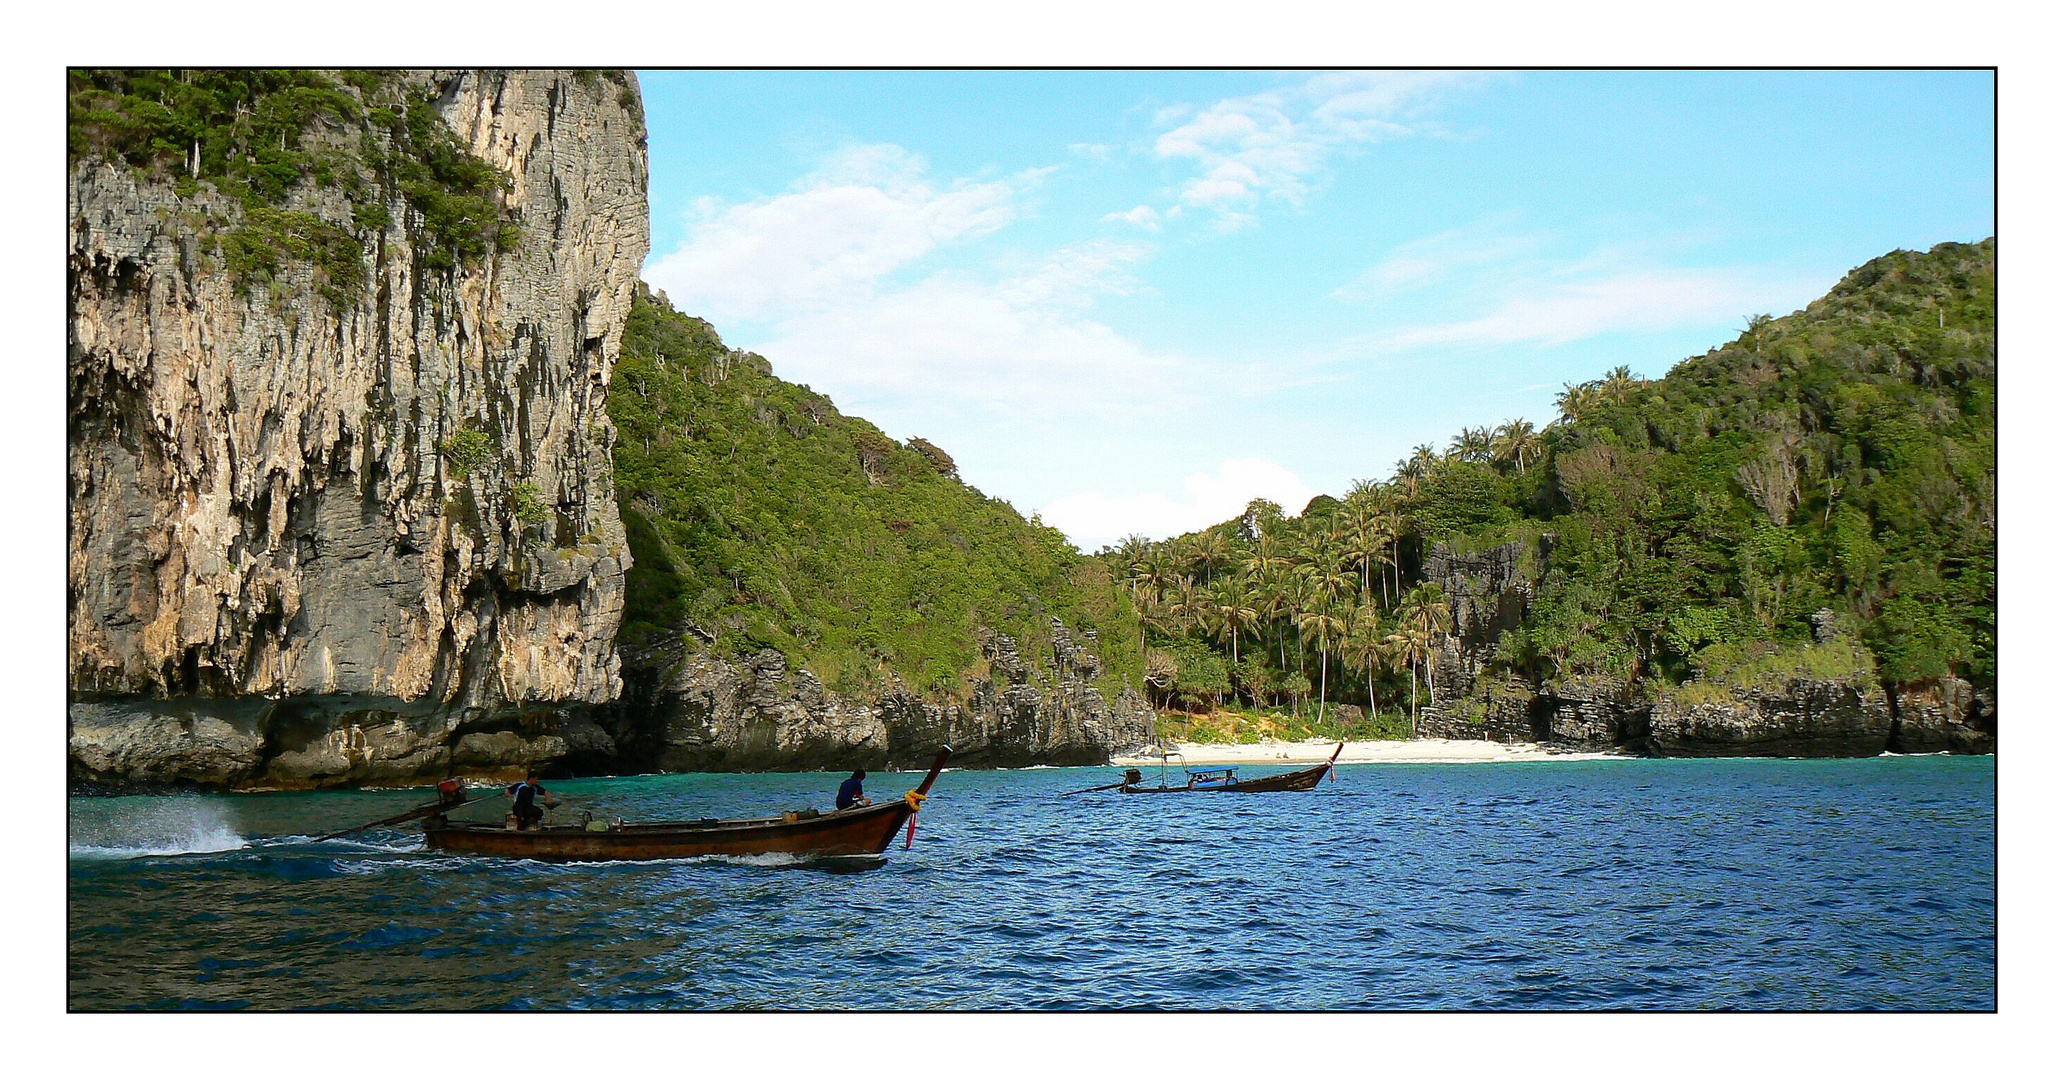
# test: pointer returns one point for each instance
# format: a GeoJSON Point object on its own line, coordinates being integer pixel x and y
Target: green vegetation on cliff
{"type": "Point", "coordinates": [759, 516]}
{"type": "Point", "coordinates": [261, 136]}
{"type": "Point", "coordinates": [1838, 459]}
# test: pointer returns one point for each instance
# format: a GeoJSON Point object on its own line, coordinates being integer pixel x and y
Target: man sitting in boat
{"type": "Point", "coordinates": [528, 812]}
{"type": "Point", "coordinates": [849, 792]}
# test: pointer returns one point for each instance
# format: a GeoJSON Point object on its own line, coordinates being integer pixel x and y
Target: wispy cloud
{"type": "Point", "coordinates": [1142, 215]}
{"type": "Point", "coordinates": [1501, 285]}
{"type": "Point", "coordinates": [1094, 518]}
{"type": "Point", "coordinates": [837, 271]}
{"type": "Point", "coordinates": [1276, 143]}
{"type": "Point", "coordinates": [1557, 312]}
{"type": "Point", "coordinates": [867, 213]}
{"type": "Point", "coordinates": [1022, 342]}
{"type": "Point", "coordinates": [1440, 258]}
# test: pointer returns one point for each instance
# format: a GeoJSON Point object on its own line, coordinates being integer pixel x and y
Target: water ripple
{"type": "Point", "coordinates": [1563, 885]}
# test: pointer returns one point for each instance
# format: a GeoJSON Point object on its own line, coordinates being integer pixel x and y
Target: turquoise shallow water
{"type": "Point", "coordinates": [1732, 884]}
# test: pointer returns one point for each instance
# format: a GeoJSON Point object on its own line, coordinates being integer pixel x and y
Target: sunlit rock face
{"type": "Point", "coordinates": [699, 712]}
{"type": "Point", "coordinates": [280, 572]}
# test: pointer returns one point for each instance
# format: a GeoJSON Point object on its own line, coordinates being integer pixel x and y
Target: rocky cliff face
{"type": "Point", "coordinates": [1800, 718]}
{"type": "Point", "coordinates": [1945, 715]}
{"type": "Point", "coordinates": [701, 713]}
{"type": "Point", "coordinates": [318, 538]}
{"type": "Point", "coordinates": [1490, 592]}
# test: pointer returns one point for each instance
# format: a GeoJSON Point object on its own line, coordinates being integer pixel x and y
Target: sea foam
{"type": "Point", "coordinates": [158, 827]}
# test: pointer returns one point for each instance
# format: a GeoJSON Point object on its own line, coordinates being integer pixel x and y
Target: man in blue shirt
{"type": "Point", "coordinates": [849, 792]}
{"type": "Point", "coordinates": [526, 794]}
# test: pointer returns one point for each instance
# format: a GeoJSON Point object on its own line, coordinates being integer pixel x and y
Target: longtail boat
{"type": "Point", "coordinates": [859, 830]}
{"type": "Point", "coordinates": [1228, 780]}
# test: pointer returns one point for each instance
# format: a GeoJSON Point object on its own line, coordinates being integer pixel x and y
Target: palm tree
{"type": "Point", "coordinates": [1760, 329]}
{"type": "Point", "coordinates": [1212, 551]}
{"type": "Point", "coordinates": [1300, 595]}
{"type": "Point", "coordinates": [1473, 444]}
{"type": "Point", "coordinates": [1620, 382]}
{"type": "Point", "coordinates": [1363, 646]}
{"type": "Point", "coordinates": [1576, 399]}
{"type": "Point", "coordinates": [1230, 614]}
{"type": "Point", "coordinates": [1182, 554]}
{"type": "Point", "coordinates": [1322, 622]}
{"type": "Point", "coordinates": [1151, 576]}
{"type": "Point", "coordinates": [1266, 556]}
{"type": "Point", "coordinates": [1515, 439]}
{"type": "Point", "coordinates": [1371, 542]}
{"type": "Point", "coordinates": [1360, 544]}
{"type": "Point", "coordinates": [1187, 601]}
{"type": "Point", "coordinates": [1131, 550]}
{"type": "Point", "coordinates": [1161, 616]}
{"type": "Point", "coordinates": [1154, 572]}
{"type": "Point", "coordinates": [1275, 587]}
{"type": "Point", "coordinates": [1391, 525]}
{"type": "Point", "coordinates": [1420, 463]}
{"type": "Point", "coordinates": [1397, 651]}
{"type": "Point", "coordinates": [1425, 612]}
{"type": "Point", "coordinates": [1260, 518]}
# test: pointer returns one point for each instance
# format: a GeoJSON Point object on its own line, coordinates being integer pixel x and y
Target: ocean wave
{"type": "Point", "coordinates": [206, 842]}
{"type": "Point", "coordinates": [172, 827]}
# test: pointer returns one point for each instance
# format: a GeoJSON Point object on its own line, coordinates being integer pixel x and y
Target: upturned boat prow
{"type": "Point", "coordinates": [803, 834]}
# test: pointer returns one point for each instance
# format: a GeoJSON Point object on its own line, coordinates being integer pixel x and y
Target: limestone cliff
{"type": "Point", "coordinates": [1800, 717]}
{"type": "Point", "coordinates": [321, 535]}
{"type": "Point", "coordinates": [1832, 707]}
{"type": "Point", "coordinates": [699, 712]}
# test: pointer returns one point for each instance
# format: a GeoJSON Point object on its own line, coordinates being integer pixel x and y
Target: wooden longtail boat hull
{"type": "Point", "coordinates": [862, 830]}
{"type": "Point", "coordinates": [1301, 780]}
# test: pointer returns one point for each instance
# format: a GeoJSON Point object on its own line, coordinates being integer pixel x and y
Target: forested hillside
{"type": "Point", "coordinates": [1817, 494]}
{"type": "Point", "coordinates": [761, 517]}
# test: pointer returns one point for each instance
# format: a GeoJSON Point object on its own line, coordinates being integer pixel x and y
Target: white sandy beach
{"type": "Point", "coordinates": [1311, 751]}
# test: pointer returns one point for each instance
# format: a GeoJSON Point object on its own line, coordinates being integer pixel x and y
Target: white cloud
{"type": "Point", "coordinates": [1078, 274]}
{"type": "Point", "coordinates": [1431, 260]}
{"type": "Point", "coordinates": [866, 214]}
{"type": "Point", "coordinates": [1094, 518]}
{"type": "Point", "coordinates": [1141, 215]}
{"type": "Point", "coordinates": [1099, 151]}
{"type": "Point", "coordinates": [1019, 343]}
{"type": "Point", "coordinates": [1555, 312]}
{"type": "Point", "coordinates": [1275, 143]}
{"type": "Point", "coordinates": [1501, 286]}
{"type": "Point", "coordinates": [837, 272]}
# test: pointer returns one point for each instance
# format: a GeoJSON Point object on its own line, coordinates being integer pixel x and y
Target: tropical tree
{"type": "Point", "coordinates": [1363, 647]}
{"type": "Point", "coordinates": [1396, 651]}
{"type": "Point", "coordinates": [1231, 615]}
{"type": "Point", "coordinates": [1323, 623]}
{"type": "Point", "coordinates": [1361, 544]}
{"type": "Point", "coordinates": [1473, 444]}
{"type": "Point", "coordinates": [1514, 442]}
{"type": "Point", "coordinates": [1425, 613]}
{"type": "Point", "coordinates": [1619, 383]}
{"type": "Point", "coordinates": [1212, 550]}
{"type": "Point", "coordinates": [1187, 602]}
{"type": "Point", "coordinates": [1132, 549]}
{"type": "Point", "coordinates": [1577, 399]}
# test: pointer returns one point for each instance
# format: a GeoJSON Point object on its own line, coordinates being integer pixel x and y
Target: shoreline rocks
{"type": "Point", "coordinates": [1847, 715]}
{"type": "Point", "coordinates": [1805, 718]}
{"type": "Point", "coordinates": [709, 714]}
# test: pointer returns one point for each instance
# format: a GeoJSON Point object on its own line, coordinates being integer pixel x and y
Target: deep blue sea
{"type": "Point", "coordinates": [1635, 884]}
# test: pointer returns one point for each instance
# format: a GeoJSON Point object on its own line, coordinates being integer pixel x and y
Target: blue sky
{"type": "Point", "coordinates": [1131, 301]}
